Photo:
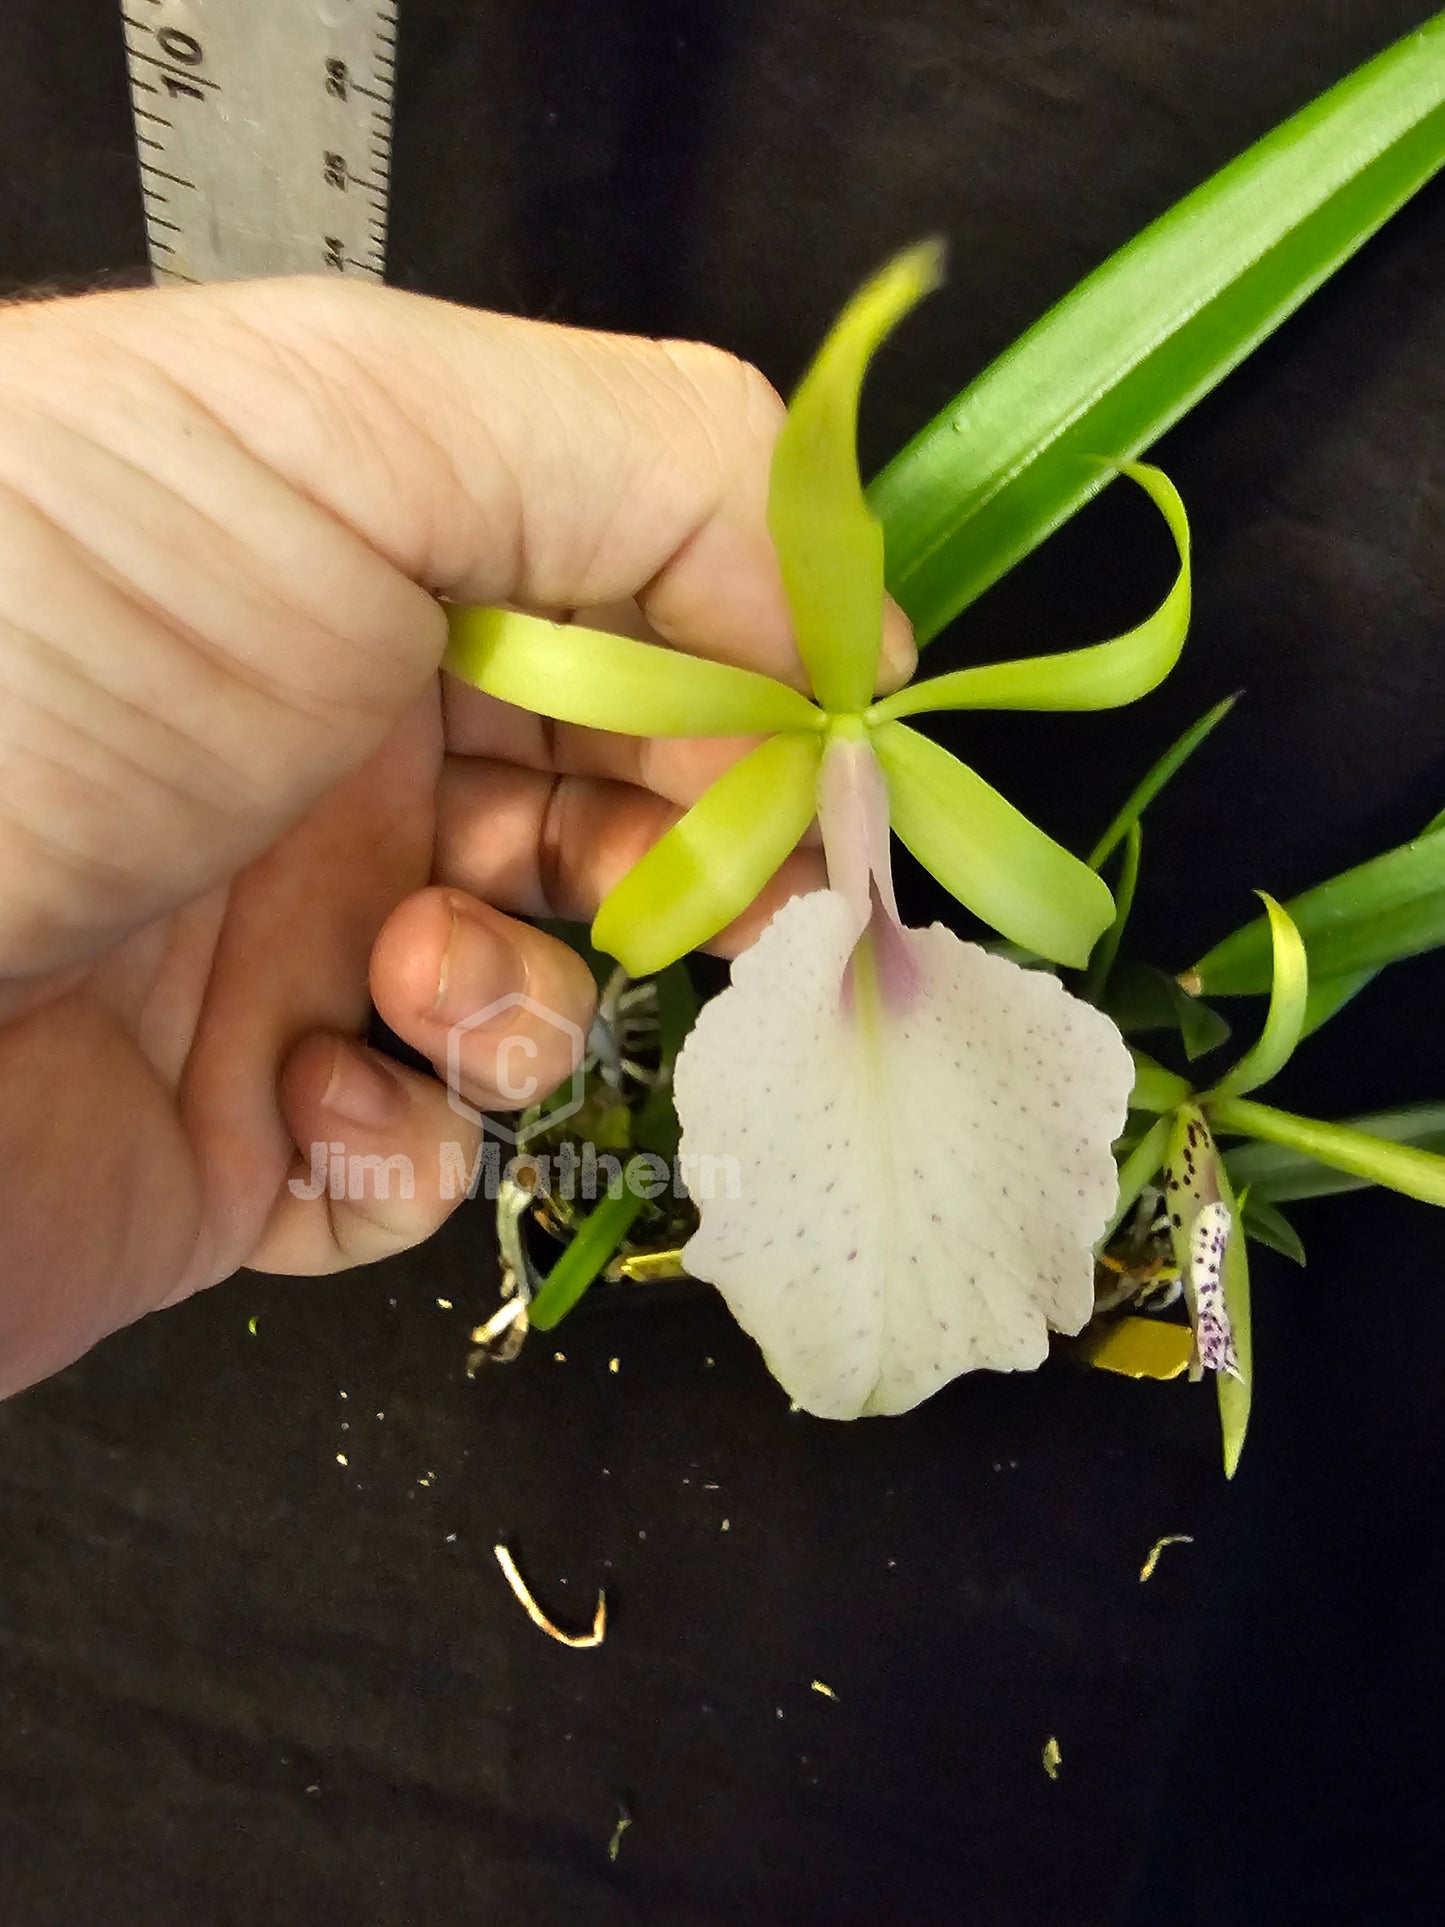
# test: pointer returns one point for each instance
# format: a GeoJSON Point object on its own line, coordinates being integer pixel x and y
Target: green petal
{"type": "Point", "coordinates": [1149, 786]}
{"type": "Point", "coordinates": [615, 682]}
{"type": "Point", "coordinates": [830, 545]}
{"type": "Point", "coordinates": [991, 857]}
{"type": "Point", "coordinates": [1149, 333]}
{"type": "Point", "coordinates": [1399, 1167]}
{"type": "Point", "coordinates": [1391, 907]}
{"type": "Point", "coordinates": [1288, 1005]}
{"type": "Point", "coordinates": [714, 860]}
{"type": "Point", "coordinates": [1102, 677]}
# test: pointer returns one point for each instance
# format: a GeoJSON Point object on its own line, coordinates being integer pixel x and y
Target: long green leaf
{"type": "Point", "coordinates": [829, 543]}
{"type": "Point", "coordinates": [1104, 676]}
{"type": "Point", "coordinates": [1152, 330]}
{"type": "Point", "coordinates": [1399, 1167]}
{"type": "Point", "coordinates": [986, 852]}
{"type": "Point", "coordinates": [615, 682]}
{"type": "Point", "coordinates": [1388, 908]}
{"type": "Point", "coordinates": [597, 1237]}
{"type": "Point", "coordinates": [710, 865]}
{"type": "Point", "coordinates": [1284, 1021]}
{"type": "Point", "coordinates": [1107, 948]}
{"type": "Point", "coordinates": [1329, 995]}
{"type": "Point", "coordinates": [1149, 786]}
{"type": "Point", "coordinates": [1279, 1174]}
{"type": "Point", "coordinates": [1267, 1225]}
{"type": "Point", "coordinates": [1141, 998]}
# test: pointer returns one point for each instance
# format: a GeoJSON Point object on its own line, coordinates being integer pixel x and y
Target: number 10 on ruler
{"type": "Point", "coordinates": [263, 132]}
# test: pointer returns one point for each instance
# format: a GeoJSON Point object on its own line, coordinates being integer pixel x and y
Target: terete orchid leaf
{"type": "Point", "coordinates": [1029, 888]}
{"type": "Point", "coordinates": [920, 1139]}
{"type": "Point", "coordinates": [715, 859]}
{"type": "Point", "coordinates": [602, 681]}
{"type": "Point", "coordinates": [1104, 676]}
{"type": "Point", "coordinates": [1284, 1022]}
{"type": "Point", "coordinates": [829, 542]}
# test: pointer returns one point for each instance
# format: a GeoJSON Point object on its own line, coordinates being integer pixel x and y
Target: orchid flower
{"type": "Point", "coordinates": [922, 1129]}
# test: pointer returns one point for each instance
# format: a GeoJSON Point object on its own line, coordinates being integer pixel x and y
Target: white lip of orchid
{"type": "Point", "coordinates": [921, 1135]}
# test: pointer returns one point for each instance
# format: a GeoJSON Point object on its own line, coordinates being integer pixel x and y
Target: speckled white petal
{"type": "Point", "coordinates": [917, 1193]}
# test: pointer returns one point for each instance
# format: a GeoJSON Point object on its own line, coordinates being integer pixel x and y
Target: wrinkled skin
{"type": "Point", "coordinates": [237, 802]}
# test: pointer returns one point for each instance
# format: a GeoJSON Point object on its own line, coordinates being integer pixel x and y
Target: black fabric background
{"type": "Point", "coordinates": [242, 1684]}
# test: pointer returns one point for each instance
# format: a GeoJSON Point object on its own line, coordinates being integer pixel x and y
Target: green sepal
{"type": "Point", "coordinates": [829, 542]}
{"type": "Point", "coordinates": [715, 859]}
{"type": "Point", "coordinates": [998, 864]}
{"type": "Point", "coordinates": [603, 681]}
{"type": "Point", "coordinates": [1104, 676]}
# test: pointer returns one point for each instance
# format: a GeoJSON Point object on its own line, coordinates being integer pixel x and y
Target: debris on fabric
{"type": "Point", "coordinates": [539, 1619]}
{"type": "Point", "coordinates": [1146, 1571]}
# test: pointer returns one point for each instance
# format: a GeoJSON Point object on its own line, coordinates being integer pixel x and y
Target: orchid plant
{"type": "Point", "coordinates": [926, 1130]}
{"type": "Point", "coordinates": [922, 1131]}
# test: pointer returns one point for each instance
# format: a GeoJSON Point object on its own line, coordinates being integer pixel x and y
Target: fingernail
{"type": "Point", "coordinates": [479, 965]}
{"type": "Point", "coordinates": [363, 1090]}
{"type": "Point", "coordinates": [900, 652]}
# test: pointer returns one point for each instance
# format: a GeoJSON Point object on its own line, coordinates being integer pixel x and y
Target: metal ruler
{"type": "Point", "coordinates": [263, 129]}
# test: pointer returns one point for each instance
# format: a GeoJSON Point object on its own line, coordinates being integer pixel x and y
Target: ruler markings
{"type": "Point", "coordinates": [184, 74]}
{"type": "Point", "coordinates": [277, 121]}
{"type": "Point", "coordinates": [149, 167]}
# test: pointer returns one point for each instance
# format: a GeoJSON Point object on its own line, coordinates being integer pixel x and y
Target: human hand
{"type": "Point", "coordinates": [237, 802]}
